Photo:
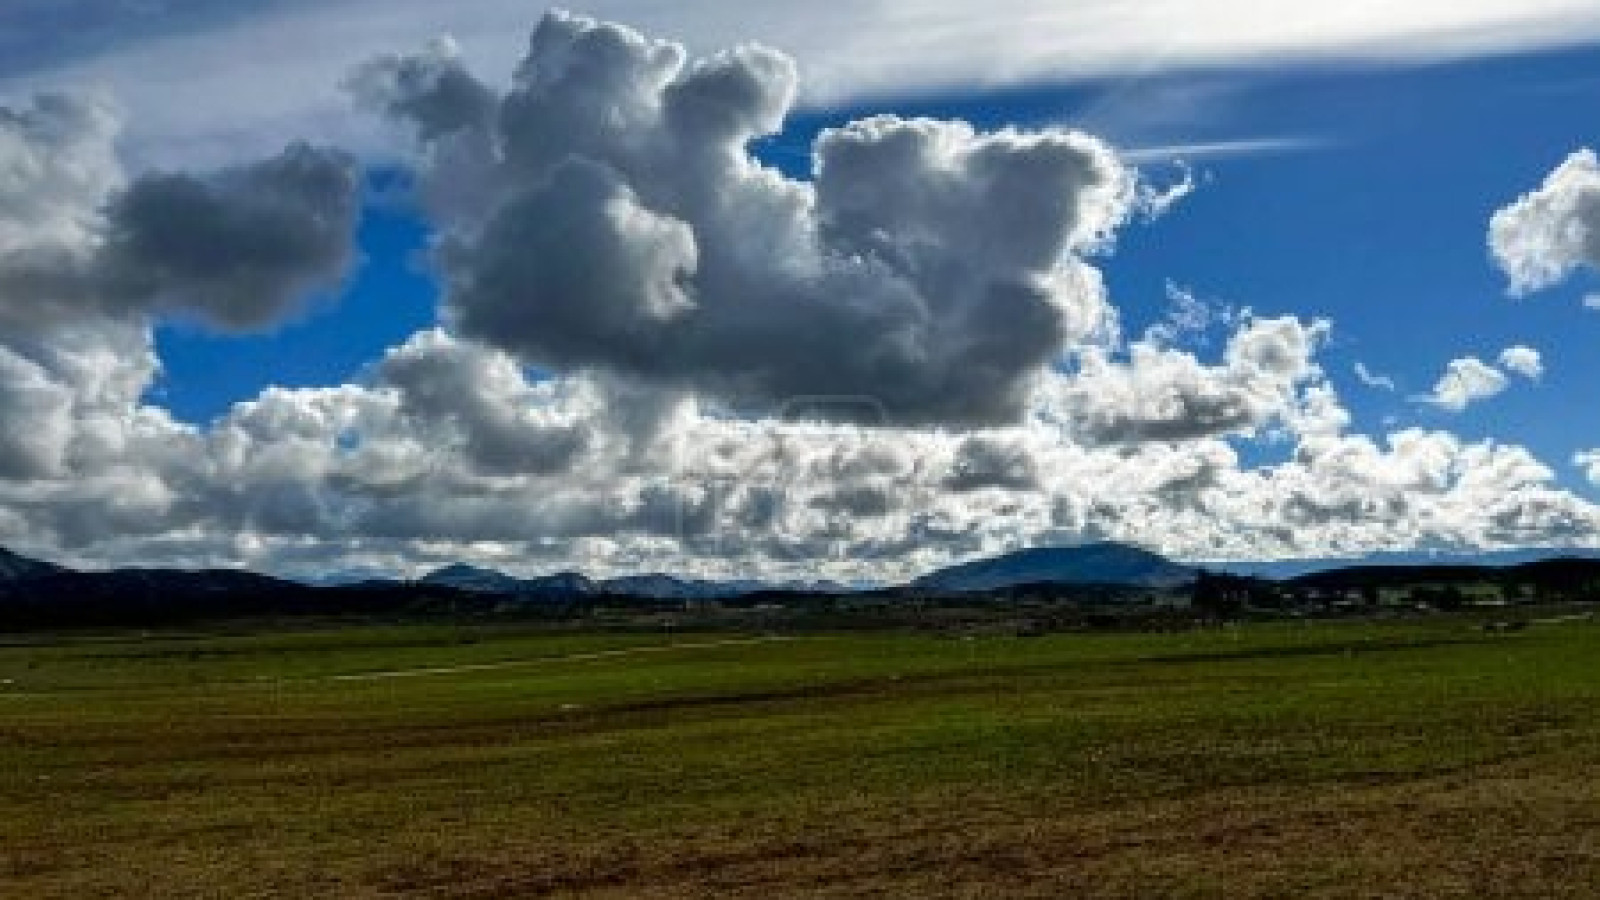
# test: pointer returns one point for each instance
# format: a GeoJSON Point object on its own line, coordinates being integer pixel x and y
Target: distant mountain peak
{"type": "Point", "coordinates": [471, 578]}
{"type": "Point", "coordinates": [659, 586]}
{"type": "Point", "coordinates": [1105, 563]}
{"type": "Point", "coordinates": [474, 579]}
{"type": "Point", "coordinates": [15, 567]}
{"type": "Point", "coordinates": [459, 569]}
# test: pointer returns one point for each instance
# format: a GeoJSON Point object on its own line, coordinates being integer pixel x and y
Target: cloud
{"type": "Point", "coordinates": [1161, 394]}
{"type": "Point", "coordinates": [29, 394]}
{"type": "Point", "coordinates": [1524, 361]}
{"type": "Point", "coordinates": [57, 164]}
{"type": "Point", "coordinates": [1188, 316]}
{"type": "Point", "coordinates": [248, 99]}
{"type": "Point", "coordinates": [432, 89]}
{"type": "Point", "coordinates": [66, 372]}
{"type": "Point", "coordinates": [460, 394]}
{"type": "Point", "coordinates": [1466, 381]}
{"type": "Point", "coordinates": [69, 396]}
{"type": "Point", "coordinates": [88, 261]}
{"type": "Point", "coordinates": [1548, 234]}
{"type": "Point", "coordinates": [626, 229]}
{"type": "Point", "coordinates": [448, 450]}
{"type": "Point", "coordinates": [1471, 380]}
{"type": "Point", "coordinates": [1228, 149]}
{"type": "Point", "coordinates": [987, 462]}
{"type": "Point", "coordinates": [1589, 462]}
{"type": "Point", "coordinates": [240, 248]}
{"type": "Point", "coordinates": [43, 32]}
{"type": "Point", "coordinates": [1372, 380]}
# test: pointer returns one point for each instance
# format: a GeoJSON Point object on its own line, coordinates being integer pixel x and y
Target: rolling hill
{"type": "Point", "coordinates": [1091, 564]}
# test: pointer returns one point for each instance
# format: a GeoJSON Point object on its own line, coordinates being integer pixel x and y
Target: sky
{"type": "Point", "coordinates": [776, 291]}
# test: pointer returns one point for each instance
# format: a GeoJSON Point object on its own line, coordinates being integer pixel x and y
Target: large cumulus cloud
{"type": "Point", "coordinates": [629, 230]}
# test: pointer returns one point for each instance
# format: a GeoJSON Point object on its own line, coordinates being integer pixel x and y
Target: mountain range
{"type": "Point", "coordinates": [1284, 570]}
{"type": "Point", "coordinates": [39, 594]}
{"type": "Point", "coordinates": [1092, 564]}
{"type": "Point", "coordinates": [17, 568]}
{"type": "Point", "coordinates": [567, 585]}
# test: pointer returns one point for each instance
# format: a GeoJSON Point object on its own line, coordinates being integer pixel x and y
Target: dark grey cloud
{"type": "Point", "coordinates": [432, 90]}
{"type": "Point", "coordinates": [577, 271]}
{"type": "Point", "coordinates": [866, 501]}
{"type": "Point", "coordinates": [239, 249]}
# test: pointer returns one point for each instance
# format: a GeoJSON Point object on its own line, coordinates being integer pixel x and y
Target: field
{"type": "Point", "coordinates": [1424, 759]}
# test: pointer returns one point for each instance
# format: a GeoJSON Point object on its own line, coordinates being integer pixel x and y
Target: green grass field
{"type": "Point", "coordinates": [1330, 760]}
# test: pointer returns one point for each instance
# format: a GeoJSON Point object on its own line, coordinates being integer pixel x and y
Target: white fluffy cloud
{"type": "Point", "coordinates": [1524, 361]}
{"type": "Point", "coordinates": [1549, 233]}
{"type": "Point", "coordinates": [1162, 394]}
{"type": "Point", "coordinates": [1467, 381]}
{"type": "Point", "coordinates": [1589, 462]}
{"type": "Point", "coordinates": [1470, 380]}
{"type": "Point", "coordinates": [929, 292]}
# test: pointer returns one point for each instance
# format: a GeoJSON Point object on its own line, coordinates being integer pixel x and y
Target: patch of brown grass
{"type": "Point", "coordinates": [1511, 833]}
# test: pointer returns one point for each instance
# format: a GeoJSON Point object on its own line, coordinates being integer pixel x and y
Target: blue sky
{"type": "Point", "coordinates": [369, 304]}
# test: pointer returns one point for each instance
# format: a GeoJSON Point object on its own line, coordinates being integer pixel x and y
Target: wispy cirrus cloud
{"type": "Point", "coordinates": [1225, 149]}
{"type": "Point", "coordinates": [848, 52]}
{"type": "Point", "coordinates": [1373, 379]}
